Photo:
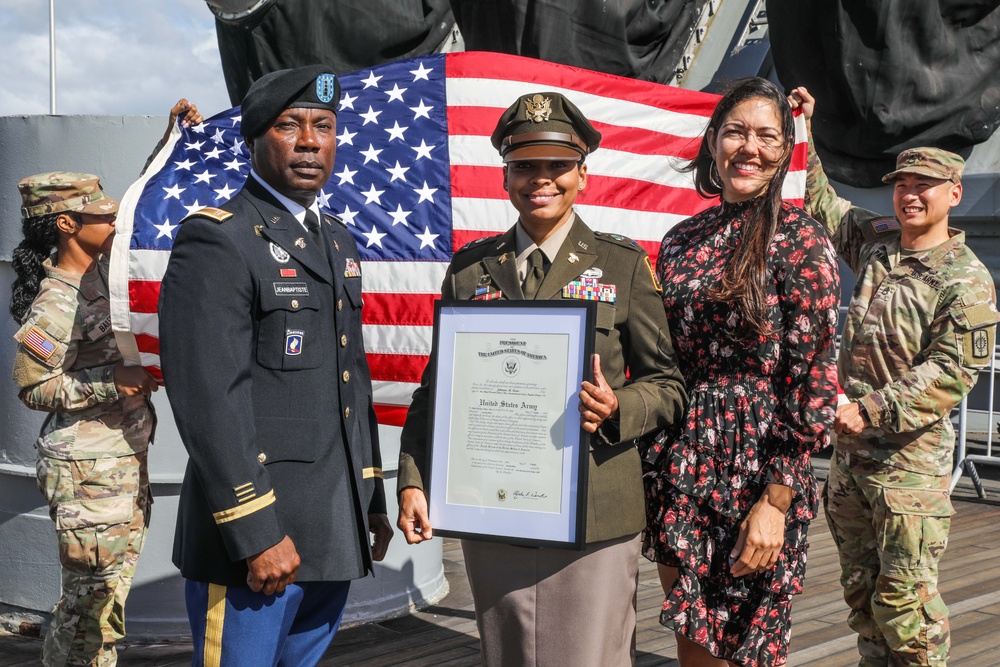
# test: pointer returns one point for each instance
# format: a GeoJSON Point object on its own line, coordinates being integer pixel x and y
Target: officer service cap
{"type": "Point", "coordinates": [927, 161]}
{"type": "Point", "coordinates": [312, 86]}
{"type": "Point", "coordinates": [64, 192]}
{"type": "Point", "coordinates": [544, 126]}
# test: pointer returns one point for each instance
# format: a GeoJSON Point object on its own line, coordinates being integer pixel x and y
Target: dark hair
{"type": "Point", "coordinates": [744, 280]}
{"type": "Point", "coordinates": [40, 238]}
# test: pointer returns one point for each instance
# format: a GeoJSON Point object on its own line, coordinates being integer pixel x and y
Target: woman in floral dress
{"type": "Point", "coordinates": [751, 291]}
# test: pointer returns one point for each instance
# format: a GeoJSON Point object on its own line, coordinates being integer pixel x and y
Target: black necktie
{"type": "Point", "coordinates": [312, 224]}
{"type": "Point", "coordinates": [534, 273]}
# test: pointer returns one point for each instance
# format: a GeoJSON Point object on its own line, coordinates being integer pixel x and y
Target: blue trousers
{"type": "Point", "coordinates": [235, 627]}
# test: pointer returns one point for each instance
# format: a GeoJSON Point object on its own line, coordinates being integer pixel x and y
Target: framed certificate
{"type": "Point", "coordinates": [508, 458]}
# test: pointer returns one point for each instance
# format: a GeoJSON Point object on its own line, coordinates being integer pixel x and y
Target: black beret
{"type": "Point", "coordinates": [315, 86]}
{"type": "Point", "coordinates": [544, 126]}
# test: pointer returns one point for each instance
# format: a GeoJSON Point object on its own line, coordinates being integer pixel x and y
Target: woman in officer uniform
{"type": "Point", "coordinates": [552, 606]}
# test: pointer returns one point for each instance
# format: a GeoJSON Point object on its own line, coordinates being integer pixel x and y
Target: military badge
{"type": "Point", "coordinates": [279, 254]}
{"type": "Point", "coordinates": [293, 342]}
{"type": "Point", "coordinates": [538, 108]}
{"type": "Point", "coordinates": [592, 272]}
{"type": "Point", "coordinates": [257, 229]}
{"type": "Point", "coordinates": [980, 344]}
{"type": "Point", "coordinates": [39, 342]}
{"type": "Point", "coordinates": [883, 225]}
{"type": "Point", "coordinates": [351, 268]}
{"type": "Point", "coordinates": [326, 87]}
{"type": "Point", "coordinates": [336, 246]}
{"type": "Point", "coordinates": [486, 295]}
{"type": "Point", "coordinates": [300, 242]}
{"type": "Point", "coordinates": [573, 258]}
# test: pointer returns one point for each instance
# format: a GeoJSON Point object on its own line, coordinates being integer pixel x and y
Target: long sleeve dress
{"type": "Point", "coordinates": [759, 407]}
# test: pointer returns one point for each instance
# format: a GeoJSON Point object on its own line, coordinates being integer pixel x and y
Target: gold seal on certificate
{"type": "Point", "coordinates": [508, 458]}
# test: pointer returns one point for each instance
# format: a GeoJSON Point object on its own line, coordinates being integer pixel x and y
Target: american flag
{"type": "Point", "coordinates": [415, 179]}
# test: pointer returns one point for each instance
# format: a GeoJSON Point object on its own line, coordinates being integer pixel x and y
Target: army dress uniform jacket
{"type": "Point", "coordinates": [632, 337]}
{"type": "Point", "coordinates": [919, 328]}
{"type": "Point", "coordinates": [263, 361]}
{"type": "Point", "coordinates": [65, 365]}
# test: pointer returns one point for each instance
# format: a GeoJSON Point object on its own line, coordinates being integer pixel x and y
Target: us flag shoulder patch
{"type": "Point", "coordinates": [883, 225]}
{"type": "Point", "coordinates": [40, 343]}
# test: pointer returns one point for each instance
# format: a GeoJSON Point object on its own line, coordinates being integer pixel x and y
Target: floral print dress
{"type": "Point", "coordinates": [758, 409]}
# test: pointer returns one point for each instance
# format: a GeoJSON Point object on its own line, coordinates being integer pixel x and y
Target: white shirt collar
{"type": "Point", "coordinates": [293, 207]}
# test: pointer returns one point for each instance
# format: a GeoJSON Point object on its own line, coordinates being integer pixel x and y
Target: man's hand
{"type": "Point", "coordinates": [413, 520]}
{"type": "Point", "coordinates": [134, 380]}
{"type": "Point", "coordinates": [762, 533]}
{"type": "Point", "coordinates": [800, 97]}
{"type": "Point", "coordinates": [597, 401]}
{"type": "Point", "coordinates": [849, 420]}
{"type": "Point", "coordinates": [379, 526]}
{"type": "Point", "coordinates": [273, 569]}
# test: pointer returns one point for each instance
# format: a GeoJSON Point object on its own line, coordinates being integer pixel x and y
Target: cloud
{"type": "Point", "coordinates": [112, 57]}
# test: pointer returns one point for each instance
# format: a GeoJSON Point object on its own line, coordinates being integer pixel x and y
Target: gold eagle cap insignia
{"type": "Point", "coordinates": [537, 108]}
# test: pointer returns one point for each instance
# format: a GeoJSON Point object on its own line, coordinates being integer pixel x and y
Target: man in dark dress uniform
{"type": "Point", "coordinates": [261, 350]}
{"type": "Point", "coordinates": [554, 607]}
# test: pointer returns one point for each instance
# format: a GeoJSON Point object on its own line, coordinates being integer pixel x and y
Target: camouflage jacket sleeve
{"type": "Point", "coordinates": [840, 219]}
{"type": "Point", "coordinates": [47, 350]}
{"type": "Point", "coordinates": [947, 368]}
{"type": "Point", "coordinates": [808, 295]}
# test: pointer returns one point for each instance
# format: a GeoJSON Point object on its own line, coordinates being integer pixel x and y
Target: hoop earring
{"type": "Point", "coordinates": [713, 176]}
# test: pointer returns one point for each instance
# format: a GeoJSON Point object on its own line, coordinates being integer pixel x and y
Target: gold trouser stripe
{"type": "Point", "coordinates": [244, 510]}
{"type": "Point", "coordinates": [371, 472]}
{"type": "Point", "coordinates": [213, 625]}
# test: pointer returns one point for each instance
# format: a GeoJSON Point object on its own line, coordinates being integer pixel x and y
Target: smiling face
{"type": "Point", "coordinates": [747, 147]}
{"type": "Point", "coordinates": [923, 203]}
{"type": "Point", "coordinates": [543, 192]}
{"type": "Point", "coordinates": [295, 155]}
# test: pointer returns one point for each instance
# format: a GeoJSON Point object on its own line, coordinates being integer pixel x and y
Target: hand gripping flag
{"type": "Point", "coordinates": [415, 179]}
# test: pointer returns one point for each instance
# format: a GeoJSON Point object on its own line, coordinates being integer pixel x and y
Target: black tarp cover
{"type": "Point", "coordinates": [890, 75]}
{"type": "Point", "coordinates": [344, 34]}
{"type": "Point", "coordinates": [642, 39]}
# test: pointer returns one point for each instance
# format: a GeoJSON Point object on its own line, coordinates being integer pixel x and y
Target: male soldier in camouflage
{"type": "Point", "coordinates": [919, 329]}
{"type": "Point", "coordinates": [92, 446]}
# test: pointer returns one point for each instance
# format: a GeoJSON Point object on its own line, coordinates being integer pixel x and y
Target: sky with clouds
{"type": "Point", "coordinates": [117, 57]}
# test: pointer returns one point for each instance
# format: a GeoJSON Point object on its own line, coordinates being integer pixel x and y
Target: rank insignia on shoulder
{"type": "Point", "coordinates": [486, 295]}
{"type": "Point", "coordinates": [652, 273]}
{"type": "Point", "coordinates": [215, 214]}
{"type": "Point", "coordinates": [351, 268]}
{"type": "Point", "coordinates": [279, 254]}
{"type": "Point", "coordinates": [39, 342]}
{"type": "Point", "coordinates": [293, 342]}
{"type": "Point", "coordinates": [886, 224]}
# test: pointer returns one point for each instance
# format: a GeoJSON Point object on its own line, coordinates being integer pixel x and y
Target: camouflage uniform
{"type": "Point", "coordinates": [91, 462]}
{"type": "Point", "coordinates": [919, 328]}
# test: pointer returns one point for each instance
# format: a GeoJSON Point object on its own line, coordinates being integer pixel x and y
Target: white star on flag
{"type": "Point", "coordinates": [374, 238]}
{"type": "Point", "coordinates": [373, 195]}
{"type": "Point", "coordinates": [346, 175]}
{"type": "Point", "coordinates": [174, 192]}
{"type": "Point", "coordinates": [396, 93]}
{"type": "Point", "coordinates": [427, 239]}
{"type": "Point", "coordinates": [399, 216]}
{"type": "Point", "coordinates": [426, 193]}
{"type": "Point", "coordinates": [166, 229]}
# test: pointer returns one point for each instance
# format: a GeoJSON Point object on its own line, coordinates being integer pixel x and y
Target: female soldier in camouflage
{"type": "Point", "coordinates": [92, 446]}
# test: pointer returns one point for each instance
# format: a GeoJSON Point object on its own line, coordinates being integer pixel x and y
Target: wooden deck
{"type": "Point", "coordinates": [445, 635]}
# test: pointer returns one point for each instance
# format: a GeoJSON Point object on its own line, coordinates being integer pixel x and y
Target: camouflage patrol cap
{"type": "Point", "coordinates": [543, 126]}
{"type": "Point", "coordinates": [928, 161]}
{"type": "Point", "coordinates": [64, 191]}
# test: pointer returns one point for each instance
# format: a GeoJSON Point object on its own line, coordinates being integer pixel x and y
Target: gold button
{"type": "Point", "coordinates": [347, 376]}
{"type": "Point", "coordinates": [295, 303]}
{"type": "Point", "coordinates": [347, 412]}
{"type": "Point", "coordinates": [262, 457]}
{"type": "Point", "coordinates": [343, 341]}
{"type": "Point", "coordinates": [340, 304]}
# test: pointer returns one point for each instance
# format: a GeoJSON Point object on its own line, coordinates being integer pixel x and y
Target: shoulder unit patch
{"type": "Point", "coordinates": [885, 224]}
